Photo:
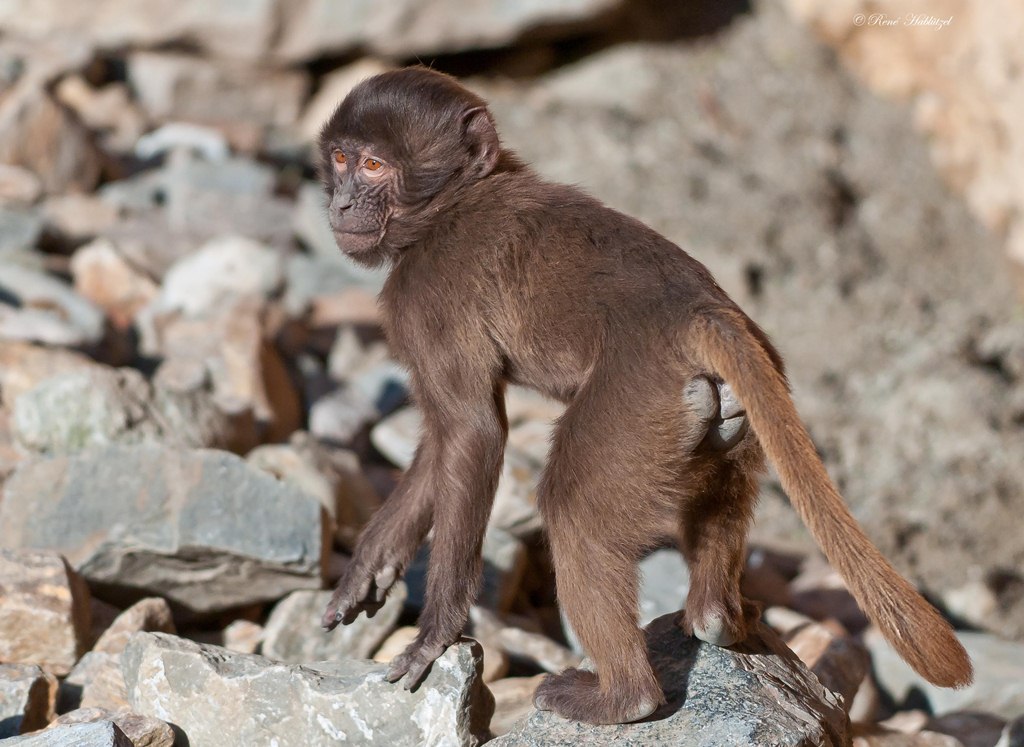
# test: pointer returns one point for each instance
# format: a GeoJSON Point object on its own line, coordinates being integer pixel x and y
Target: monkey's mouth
{"type": "Point", "coordinates": [356, 242]}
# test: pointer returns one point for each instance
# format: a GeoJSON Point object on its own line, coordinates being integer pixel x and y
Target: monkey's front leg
{"type": "Point", "coordinates": [387, 544]}
{"type": "Point", "coordinates": [471, 457]}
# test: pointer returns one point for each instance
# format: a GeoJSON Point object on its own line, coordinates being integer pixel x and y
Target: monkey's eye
{"type": "Point", "coordinates": [372, 164]}
{"type": "Point", "coordinates": [339, 158]}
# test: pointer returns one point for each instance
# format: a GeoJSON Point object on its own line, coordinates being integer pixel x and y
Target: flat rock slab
{"type": "Point", "coordinates": [98, 734]}
{"type": "Point", "coordinates": [198, 527]}
{"type": "Point", "coordinates": [217, 697]}
{"type": "Point", "coordinates": [758, 693]}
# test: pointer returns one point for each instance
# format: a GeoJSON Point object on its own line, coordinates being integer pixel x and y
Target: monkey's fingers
{"type": "Point", "coordinates": [414, 663]}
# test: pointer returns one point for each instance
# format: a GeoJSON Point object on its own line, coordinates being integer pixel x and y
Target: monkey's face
{"type": "Point", "coordinates": [398, 152]}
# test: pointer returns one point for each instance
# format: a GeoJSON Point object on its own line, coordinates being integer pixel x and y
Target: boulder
{"type": "Point", "coordinates": [200, 528]}
{"type": "Point", "coordinates": [95, 734]}
{"type": "Point", "coordinates": [26, 698]}
{"type": "Point", "coordinates": [754, 693]}
{"type": "Point", "coordinates": [217, 697]}
{"type": "Point", "coordinates": [142, 731]}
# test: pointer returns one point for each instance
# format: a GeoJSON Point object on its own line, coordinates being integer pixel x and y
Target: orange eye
{"type": "Point", "coordinates": [373, 164]}
{"type": "Point", "coordinates": [339, 157]}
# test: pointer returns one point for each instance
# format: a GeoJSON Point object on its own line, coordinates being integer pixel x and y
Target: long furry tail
{"type": "Point", "coordinates": [729, 344]}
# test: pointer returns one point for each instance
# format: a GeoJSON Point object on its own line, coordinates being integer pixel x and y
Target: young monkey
{"type": "Point", "coordinates": [496, 277]}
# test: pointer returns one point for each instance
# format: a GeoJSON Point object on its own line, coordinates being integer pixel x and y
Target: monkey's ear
{"type": "Point", "coordinates": [482, 138]}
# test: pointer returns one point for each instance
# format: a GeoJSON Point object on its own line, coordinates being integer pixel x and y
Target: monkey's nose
{"type": "Point", "coordinates": [342, 200]}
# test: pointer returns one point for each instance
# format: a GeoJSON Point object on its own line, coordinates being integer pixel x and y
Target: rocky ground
{"type": "Point", "coordinates": [198, 413]}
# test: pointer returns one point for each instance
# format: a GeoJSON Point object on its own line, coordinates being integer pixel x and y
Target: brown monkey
{"type": "Point", "coordinates": [497, 276]}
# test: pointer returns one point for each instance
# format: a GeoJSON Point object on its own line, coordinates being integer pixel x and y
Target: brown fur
{"type": "Point", "coordinates": [500, 277]}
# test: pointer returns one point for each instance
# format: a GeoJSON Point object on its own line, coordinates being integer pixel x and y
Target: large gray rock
{"type": "Point", "coordinates": [757, 693]}
{"type": "Point", "coordinates": [143, 731]}
{"type": "Point", "coordinates": [293, 633]}
{"type": "Point", "coordinates": [96, 734]}
{"type": "Point", "coordinates": [44, 609]}
{"type": "Point", "coordinates": [201, 528]}
{"type": "Point", "coordinates": [218, 697]}
{"type": "Point", "coordinates": [37, 307]}
{"type": "Point", "coordinates": [26, 699]}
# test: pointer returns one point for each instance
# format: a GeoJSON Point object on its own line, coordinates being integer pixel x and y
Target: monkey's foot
{"type": "Point", "coordinates": [360, 590]}
{"type": "Point", "coordinates": [575, 694]}
{"type": "Point", "coordinates": [721, 628]}
{"type": "Point", "coordinates": [414, 662]}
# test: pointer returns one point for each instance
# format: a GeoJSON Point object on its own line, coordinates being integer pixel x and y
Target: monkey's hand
{"type": "Point", "coordinates": [363, 588]}
{"type": "Point", "coordinates": [414, 662]}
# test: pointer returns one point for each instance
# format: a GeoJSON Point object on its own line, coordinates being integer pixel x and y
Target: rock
{"type": "Point", "coordinates": [505, 559]}
{"type": "Point", "coordinates": [26, 699]}
{"type": "Point", "coordinates": [204, 142]}
{"type": "Point", "coordinates": [331, 89]}
{"type": "Point", "coordinates": [38, 135]}
{"type": "Point", "coordinates": [110, 110]}
{"type": "Point", "coordinates": [293, 633]}
{"type": "Point", "coordinates": [523, 645]}
{"type": "Point", "coordinates": [217, 697]}
{"type": "Point", "coordinates": [78, 217]}
{"type": "Point", "coordinates": [18, 185]}
{"type": "Point", "coordinates": [332, 476]}
{"type": "Point", "coordinates": [326, 289]}
{"type": "Point", "coordinates": [406, 28]}
{"type": "Point", "coordinates": [200, 528]}
{"type": "Point", "coordinates": [73, 411]}
{"type": "Point", "coordinates": [339, 416]}
{"type": "Point", "coordinates": [1013, 734]}
{"type": "Point", "coordinates": [839, 662]}
{"type": "Point", "coordinates": [142, 731]}
{"type": "Point", "coordinates": [44, 609]}
{"type": "Point", "coordinates": [179, 87]}
{"type": "Point", "coordinates": [820, 593]}
{"type": "Point", "coordinates": [972, 728]}
{"type": "Point", "coordinates": [395, 644]}
{"type": "Point", "coordinates": [397, 435]}
{"type": "Point", "coordinates": [515, 502]}
{"type": "Point", "coordinates": [243, 636]}
{"type": "Point", "coordinates": [19, 228]}
{"type": "Point", "coordinates": [23, 366]}
{"type": "Point", "coordinates": [37, 307]}
{"type": "Point", "coordinates": [875, 736]}
{"type": "Point", "coordinates": [152, 615]}
{"type": "Point", "coordinates": [245, 369]}
{"type": "Point", "coordinates": [95, 682]}
{"type": "Point", "coordinates": [998, 686]}
{"type": "Point", "coordinates": [220, 269]}
{"type": "Point", "coordinates": [104, 277]}
{"type": "Point", "coordinates": [665, 582]}
{"type": "Point", "coordinates": [98, 734]}
{"type": "Point", "coordinates": [513, 701]}
{"type": "Point", "coordinates": [755, 693]}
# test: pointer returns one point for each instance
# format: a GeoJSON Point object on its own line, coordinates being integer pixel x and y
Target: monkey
{"type": "Point", "coordinates": [675, 400]}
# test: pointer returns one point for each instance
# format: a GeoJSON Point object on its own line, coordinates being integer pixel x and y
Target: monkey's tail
{"type": "Point", "coordinates": [725, 342]}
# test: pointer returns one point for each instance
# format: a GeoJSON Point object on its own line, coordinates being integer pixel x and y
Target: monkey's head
{"type": "Point", "coordinates": [400, 148]}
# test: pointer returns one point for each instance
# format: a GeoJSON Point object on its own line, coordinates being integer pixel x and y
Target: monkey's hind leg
{"type": "Point", "coordinates": [713, 536]}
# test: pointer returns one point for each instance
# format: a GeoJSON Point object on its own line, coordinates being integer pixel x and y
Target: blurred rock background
{"type": "Point", "coordinates": [198, 412]}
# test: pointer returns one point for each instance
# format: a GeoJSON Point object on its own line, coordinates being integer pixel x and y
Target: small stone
{"type": "Point", "coordinates": [205, 142]}
{"type": "Point", "coordinates": [200, 528]}
{"type": "Point", "coordinates": [45, 309]}
{"type": "Point", "coordinates": [293, 633]}
{"type": "Point", "coordinates": [110, 110]}
{"type": "Point", "coordinates": [19, 229]}
{"type": "Point", "coordinates": [523, 645]}
{"type": "Point", "coordinates": [1013, 734]}
{"type": "Point", "coordinates": [18, 186]}
{"type": "Point", "coordinates": [515, 501]}
{"type": "Point", "coordinates": [79, 217]}
{"type": "Point", "coordinates": [23, 366]}
{"type": "Point", "coordinates": [397, 435]}
{"type": "Point", "coordinates": [972, 728]}
{"type": "Point", "coordinates": [513, 701]}
{"type": "Point", "coordinates": [325, 289]}
{"type": "Point", "coordinates": [27, 696]}
{"type": "Point", "coordinates": [44, 609]}
{"type": "Point", "coordinates": [820, 593]}
{"type": "Point", "coordinates": [104, 277]}
{"type": "Point", "coordinates": [998, 686]}
{"type": "Point", "coordinates": [243, 636]}
{"type": "Point", "coordinates": [95, 682]}
{"type": "Point", "coordinates": [395, 644]}
{"type": "Point", "coordinates": [142, 731]}
{"type": "Point", "coordinates": [870, 735]}
{"type": "Point", "coordinates": [505, 559]}
{"type": "Point", "coordinates": [339, 416]}
{"type": "Point", "coordinates": [218, 697]}
{"type": "Point", "coordinates": [757, 692]}
{"type": "Point", "coordinates": [665, 582]}
{"type": "Point", "coordinates": [839, 662]}
{"type": "Point", "coordinates": [152, 615]}
{"type": "Point", "coordinates": [98, 734]}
